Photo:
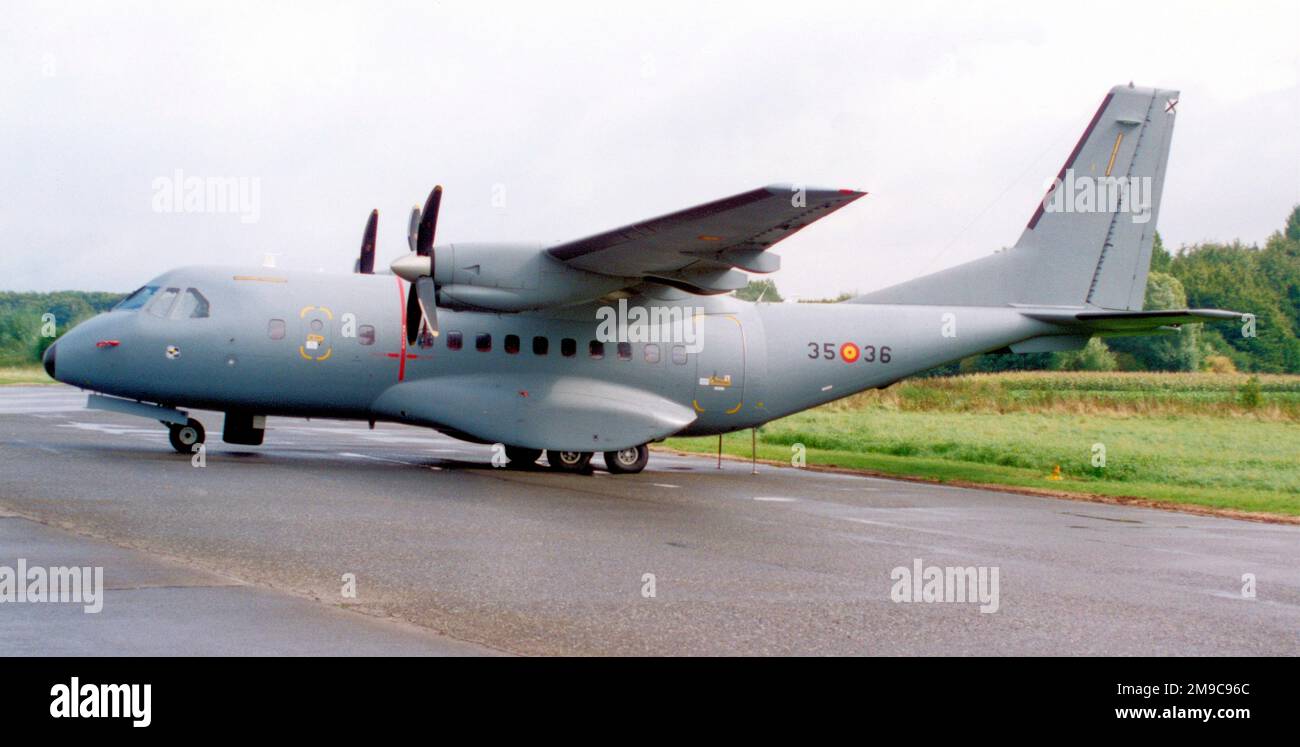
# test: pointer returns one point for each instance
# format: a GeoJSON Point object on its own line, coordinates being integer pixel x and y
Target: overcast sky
{"type": "Point", "coordinates": [582, 117]}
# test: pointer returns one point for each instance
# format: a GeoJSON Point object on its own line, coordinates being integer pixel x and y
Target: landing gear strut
{"type": "Point", "coordinates": [568, 461]}
{"type": "Point", "coordinates": [627, 461]}
{"type": "Point", "coordinates": [183, 437]}
{"type": "Point", "coordinates": [521, 458]}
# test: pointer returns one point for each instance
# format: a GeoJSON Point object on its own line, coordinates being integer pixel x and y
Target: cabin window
{"type": "Point", "coordinates": [162, 303]}
{"type": "Point", "coordinates": [455, 340]}
{"type": "Point", "coordinates": [512, 344]}
{"type": "Point", "coordinates": [679, 355]}
{"type": "Point", "coordinates": [596, 348]}
{"type": "Point", "coordinates": [651, 352]}
{"type": "Point", "coordinates": [275, 329]}
{"type": "Point", "coordinates": [625, 351]}
{"type": "Point", "coordinates": [568, 347]}
{"type": "Point", "coordinates": [192, 305]}
{"type": "Point", "coordinates": [483, 342]}
{"type": "Point", "coordinates": [541, 345]}
{"type": "Point", "coordinates": [137, 299]}
{"type": "Point", "coordinates": [366, 334]}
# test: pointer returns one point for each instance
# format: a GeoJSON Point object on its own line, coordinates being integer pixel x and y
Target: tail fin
{"type": "Point", "coordinates": [1089, 240]}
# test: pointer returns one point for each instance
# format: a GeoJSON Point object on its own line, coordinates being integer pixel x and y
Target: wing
{"type": "Point", "coordinates": [703, 248]}
{"type": "Point", "coordinates": [537, 410]}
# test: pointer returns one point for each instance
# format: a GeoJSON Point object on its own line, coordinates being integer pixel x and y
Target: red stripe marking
{"type": "Point", "coordinates": [401, 298]}
{"type": "Point", "coordinates": [1038, 213]}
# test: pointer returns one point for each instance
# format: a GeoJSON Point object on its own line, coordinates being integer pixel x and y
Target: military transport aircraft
{"type": "Point", "coordinates": [617, 340]}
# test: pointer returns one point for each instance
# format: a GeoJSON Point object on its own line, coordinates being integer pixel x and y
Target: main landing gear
{"type": "Point", "coordinates": [627, 461]}
{"type": "Point", "coordinates": [183, 437]}
{"type": "Point", "coordinates": [569, 461]}
{"type": "Point", "coordinates": [622, 462]}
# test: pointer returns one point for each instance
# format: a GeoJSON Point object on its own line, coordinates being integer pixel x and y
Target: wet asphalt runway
{"type": "Point", "coordinates": [452, 556]}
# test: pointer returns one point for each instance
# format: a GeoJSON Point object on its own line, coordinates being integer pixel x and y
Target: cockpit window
{"type": "Point", "coordinates": [192, 305]}
{"type": "Point", "coordinates": [137, 299]}
{"type": "Point", "coordinates": [162, 303]}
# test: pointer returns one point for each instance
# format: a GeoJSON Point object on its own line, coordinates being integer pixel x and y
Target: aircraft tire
{"type": "Point", "coordinates": [569, 461]}
{"type": "Point", "coordinates": [627, 461]}
{"type": "Point", "coordinates": [183, 437]}
{"type": "Point", "coordinates": [521, 458]}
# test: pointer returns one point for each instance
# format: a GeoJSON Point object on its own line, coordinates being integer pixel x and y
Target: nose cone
{"type": "Point", "coordinates": [48, 360]}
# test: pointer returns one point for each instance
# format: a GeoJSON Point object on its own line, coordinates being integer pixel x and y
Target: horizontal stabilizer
{"type": "Point", "coordinates": [1105, 320]}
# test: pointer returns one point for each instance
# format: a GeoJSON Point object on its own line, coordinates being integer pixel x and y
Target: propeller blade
{"type": "Point", "coordinates": [366, 262]}
{"type": "Point", "coordinates": [413, 227]}
{"type": "Point", "coordinates": [421, 309]}
{"type": "Point", "coordinates": [428, 223]}
{"type": "Point", "coordinates": [427, 294]}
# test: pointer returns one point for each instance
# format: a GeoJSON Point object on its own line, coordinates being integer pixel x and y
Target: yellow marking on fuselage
{"type": "Point", "coordinates": [259, 279]}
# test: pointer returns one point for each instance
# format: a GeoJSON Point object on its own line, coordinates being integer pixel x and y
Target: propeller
{"type": "Point", "coordinates": [417, 267]}
{"type": "Point", "coordinates": [414, 227]}
{"type": "Point", "coordinates": [366, 262]}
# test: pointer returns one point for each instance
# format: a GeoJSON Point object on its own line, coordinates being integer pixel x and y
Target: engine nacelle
{"type": "Point", "coordinates": [513, 277]}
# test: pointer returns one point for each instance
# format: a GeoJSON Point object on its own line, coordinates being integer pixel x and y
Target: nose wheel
{"type": "Point", "coordinates": [627, 461]}
{"type": "Point", "coordinates": [183, 437]}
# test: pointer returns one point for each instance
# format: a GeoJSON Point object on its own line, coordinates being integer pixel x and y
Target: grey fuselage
{"type": "Point", "coordinates": [755, 361]}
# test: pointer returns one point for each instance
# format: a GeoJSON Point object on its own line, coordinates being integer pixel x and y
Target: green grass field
{"type": "Point", "coordinates": [33, 374]}
{"type": "Point", "coordinates": [1176, 438]}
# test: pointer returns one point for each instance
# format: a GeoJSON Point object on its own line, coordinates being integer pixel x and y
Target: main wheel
{"type": "Point", "coordinates": [568, 461]}
{"type": "Point", "coordinates": [521, 458]}
{"type": "Point", "coordinates": [183, 437]}
{"type": "Point", "coordinates": [627, 461]}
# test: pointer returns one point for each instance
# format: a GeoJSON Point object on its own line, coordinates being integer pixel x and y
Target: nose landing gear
{"type": "Point", "coordinates": [183, 437]}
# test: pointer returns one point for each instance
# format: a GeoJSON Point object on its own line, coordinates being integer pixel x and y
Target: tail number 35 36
{"type": "Point", "coordinates": [849, 352]}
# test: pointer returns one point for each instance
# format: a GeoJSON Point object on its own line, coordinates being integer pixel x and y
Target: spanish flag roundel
{"type": "Point", "coordinates": [849, 352]}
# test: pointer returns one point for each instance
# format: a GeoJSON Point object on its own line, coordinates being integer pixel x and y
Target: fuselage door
{"type": "Point", "coordinates": [720, 366]}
